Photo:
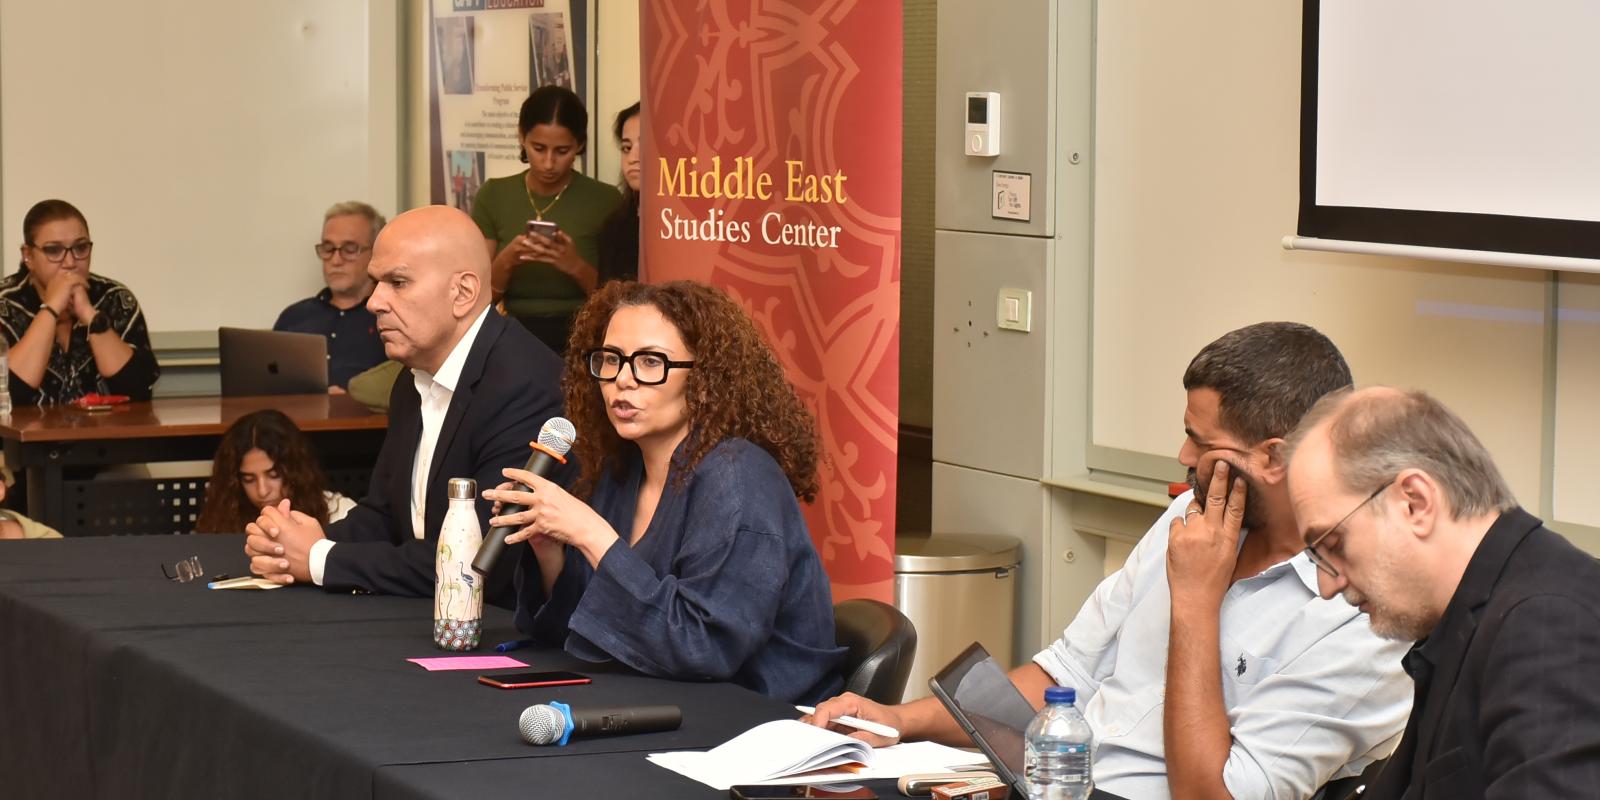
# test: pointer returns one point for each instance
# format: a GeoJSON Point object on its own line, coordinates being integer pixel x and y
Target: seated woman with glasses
{"type": "Point", "coordinates": [690, 559]}
{"type": "Point", "coordinates": [264, 459]}
{"type": "Point", "coordinates": [71, 332]}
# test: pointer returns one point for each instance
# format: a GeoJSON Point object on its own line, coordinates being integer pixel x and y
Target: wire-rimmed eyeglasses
{"type": "Point", "coordinates": [1311, 549]}
{"type": "Point", "coordinates": [187, 570]}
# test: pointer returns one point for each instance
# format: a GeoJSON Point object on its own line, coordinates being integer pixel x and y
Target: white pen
{"type": "Point", "coordinates": [858, 724]}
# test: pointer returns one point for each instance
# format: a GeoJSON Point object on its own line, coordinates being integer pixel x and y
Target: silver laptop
{"type": "Point", "coordinates": [272, 362]}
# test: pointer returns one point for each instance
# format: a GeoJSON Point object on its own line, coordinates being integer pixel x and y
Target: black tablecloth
{"type": "Point", "coordinates": [115, 682]}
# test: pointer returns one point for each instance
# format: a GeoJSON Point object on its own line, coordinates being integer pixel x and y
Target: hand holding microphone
{"type": "Point", "coordinates": [549, 453]}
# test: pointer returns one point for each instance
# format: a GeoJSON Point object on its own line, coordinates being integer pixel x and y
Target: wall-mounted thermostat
{"type": "Point", "coordinates": [983, 123]}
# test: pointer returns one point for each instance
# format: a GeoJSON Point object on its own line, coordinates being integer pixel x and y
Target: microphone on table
{"type": "Point", "coordinates": [549, 454]}
{"type": "Point", "coordinates": [555, 723]}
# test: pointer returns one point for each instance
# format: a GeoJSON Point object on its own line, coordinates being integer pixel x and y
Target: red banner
{"type": "Point", "coordinates": [772, 170]}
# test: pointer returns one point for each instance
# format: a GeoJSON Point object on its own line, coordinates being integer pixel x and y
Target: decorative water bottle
{"type": "Point", "coordinates": [1060, 745]}
{"type": "Point", "coordinates": [457, 590]}
{"type": "Point", "coordinates": [5, 377]}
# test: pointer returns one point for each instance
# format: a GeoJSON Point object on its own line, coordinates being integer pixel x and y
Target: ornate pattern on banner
{"type": "Point", "coordinates": [772, 170]}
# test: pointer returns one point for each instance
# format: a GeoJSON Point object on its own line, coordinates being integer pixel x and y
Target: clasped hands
{"type": "Point", "coordinates": [279, 543]}
{"type": "Point", "coordinates": [1203, 544]}
{"type": "Point", "coordinates": [68, 295]}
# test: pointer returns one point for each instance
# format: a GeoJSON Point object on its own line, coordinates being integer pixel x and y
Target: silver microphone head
{"type": "Point", "coordinates": [541, 724]}
{"type": "Point", "coordinates": [557, 435]}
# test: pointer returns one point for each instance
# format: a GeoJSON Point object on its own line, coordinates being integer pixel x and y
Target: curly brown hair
{"type": "Point", "coordinates": [736, 388]}
{"type": "Point", "coordinates": [227, 508]}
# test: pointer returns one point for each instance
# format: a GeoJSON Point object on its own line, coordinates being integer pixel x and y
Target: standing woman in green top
{"type": "Point", "coordinates": [544, 279]}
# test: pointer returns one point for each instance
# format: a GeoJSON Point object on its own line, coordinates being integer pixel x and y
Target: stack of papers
{"type": "Point", "coordinates": [790, 751]}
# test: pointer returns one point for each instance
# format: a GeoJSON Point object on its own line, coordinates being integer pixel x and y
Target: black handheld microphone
{"type": "Point", "coordinates": [555, 723]}
{"type": "Point", "coordinates": [549, 453]}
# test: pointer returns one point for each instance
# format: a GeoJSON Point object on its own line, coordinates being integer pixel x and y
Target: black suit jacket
{"type": "Point", "coordinates": [509, 386]}
{"type": "Point", "coordinates": [1507, 703]}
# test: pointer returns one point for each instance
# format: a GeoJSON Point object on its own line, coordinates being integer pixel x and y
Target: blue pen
{"type": "Point", "coordinates": [514, 644]}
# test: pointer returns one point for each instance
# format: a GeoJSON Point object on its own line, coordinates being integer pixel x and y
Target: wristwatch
{"type": "Point", "coordinates": [100, 324]}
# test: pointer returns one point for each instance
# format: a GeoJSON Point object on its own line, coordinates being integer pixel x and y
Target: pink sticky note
{"type": "Point", "coordinates": [466, 662]}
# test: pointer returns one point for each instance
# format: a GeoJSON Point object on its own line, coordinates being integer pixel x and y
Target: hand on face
{"type": "Point", "coordinates": [81, 307]}
{"type": "Point", "coordinates": [1203, 545]}
{"type": "Point", "coordinates": [279, 544]}
{"type": "Point", "coordinates": [60, 293]}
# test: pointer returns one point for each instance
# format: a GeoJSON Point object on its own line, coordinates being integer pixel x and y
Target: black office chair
{"type": "Point", "coordinates": [881, 643]}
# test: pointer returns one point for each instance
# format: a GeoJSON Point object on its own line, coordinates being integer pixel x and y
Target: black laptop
{"type": "Point", "coordinates": [989, 708]}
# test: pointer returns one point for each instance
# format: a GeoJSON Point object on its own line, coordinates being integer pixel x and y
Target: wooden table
{"type": "Point", "coordinates": [45, 442]}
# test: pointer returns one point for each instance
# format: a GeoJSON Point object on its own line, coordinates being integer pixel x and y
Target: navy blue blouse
{"type": "Point", "coordinates": [724, 585]}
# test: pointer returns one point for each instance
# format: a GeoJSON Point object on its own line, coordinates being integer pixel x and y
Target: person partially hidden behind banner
{"type": "Point", "coordinates": [72, 332]}
{"type": "Point", "coordinates": [691, 559]}
{"type": "Point", "coordinates": [1208, 666]}
{"type": "Point", "coordinates": [1406, 514]}
{"type": "Point", "coordinates": [481, 388]}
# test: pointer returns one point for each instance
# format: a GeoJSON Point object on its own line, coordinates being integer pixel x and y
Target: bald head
{"type": "Point", "coordinates": [1368, 436]}
{"type": "Point", "coordinates": [432, 274]}
{"type": "Point", "coordinates": [437, 237]}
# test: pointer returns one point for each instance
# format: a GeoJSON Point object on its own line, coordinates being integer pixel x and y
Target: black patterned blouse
{"type": "Point", "coordinates": [72, 373]}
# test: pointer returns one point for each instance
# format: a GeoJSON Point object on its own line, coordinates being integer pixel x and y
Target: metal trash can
{"type": "Point", "coordinates": [957, 588]}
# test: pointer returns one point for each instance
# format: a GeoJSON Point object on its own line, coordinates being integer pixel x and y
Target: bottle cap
{"type": "Point", "coordinates": [1060, 694]}
{"type": "Point", "coordinates": [463, 489]}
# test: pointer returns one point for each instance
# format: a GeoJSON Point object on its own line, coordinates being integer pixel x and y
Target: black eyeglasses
{"type": "Point", "coordinates": [325, 250]}
{"type": "Point", "coordinates": [1321, 560]}
{"type": "Point", "coordinates": [649, 367]}
{"type": "Point", "coordinates": [57, 253]}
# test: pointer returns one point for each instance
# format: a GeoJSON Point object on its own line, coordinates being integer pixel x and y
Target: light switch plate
{"type": "Point", "coordinates": [1014, 310]}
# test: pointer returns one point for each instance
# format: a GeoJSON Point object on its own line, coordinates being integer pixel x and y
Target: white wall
{"type": "Point", "coordinates": [203, 141]}
{"type": "Point", "coordinates": [1197, 126]}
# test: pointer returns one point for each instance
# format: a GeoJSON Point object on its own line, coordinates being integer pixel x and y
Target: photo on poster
{"type": "Point", "coordinates": [454, 36]}
{"type": "Point", "coordinates": [466, 177]}
{"type": "Point", "coordinates": [547, 41]}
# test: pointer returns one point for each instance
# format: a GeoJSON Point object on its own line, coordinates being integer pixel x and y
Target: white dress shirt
{"type": "Point", "coordinates": [1311, 692]}
{"type": "Point", "coordinates": [435, 392]}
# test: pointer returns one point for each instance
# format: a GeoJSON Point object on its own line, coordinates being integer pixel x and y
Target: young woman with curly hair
{"type": "Point", "coordinates": [263, 459]}
{"type": "Point", "coordinates": [690, 559]}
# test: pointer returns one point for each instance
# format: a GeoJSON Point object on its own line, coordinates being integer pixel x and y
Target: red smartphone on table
{"type": "Point", "coordinates": [531, 680]}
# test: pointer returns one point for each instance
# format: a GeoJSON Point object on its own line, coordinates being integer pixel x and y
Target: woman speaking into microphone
{"type": "Point", "coordinates": [690, 559]}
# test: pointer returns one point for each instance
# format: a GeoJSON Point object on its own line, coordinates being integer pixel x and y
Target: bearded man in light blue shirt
{"type": "Point", "coordinates": [1208, 666]}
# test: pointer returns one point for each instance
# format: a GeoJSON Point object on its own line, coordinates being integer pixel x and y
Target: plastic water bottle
{"type": "Point", "coordinates": [1060, 746]}
{"type": "Point", "coordinates": [457, 590]}
{"type": "Point", "coordinates": [5, 377]}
